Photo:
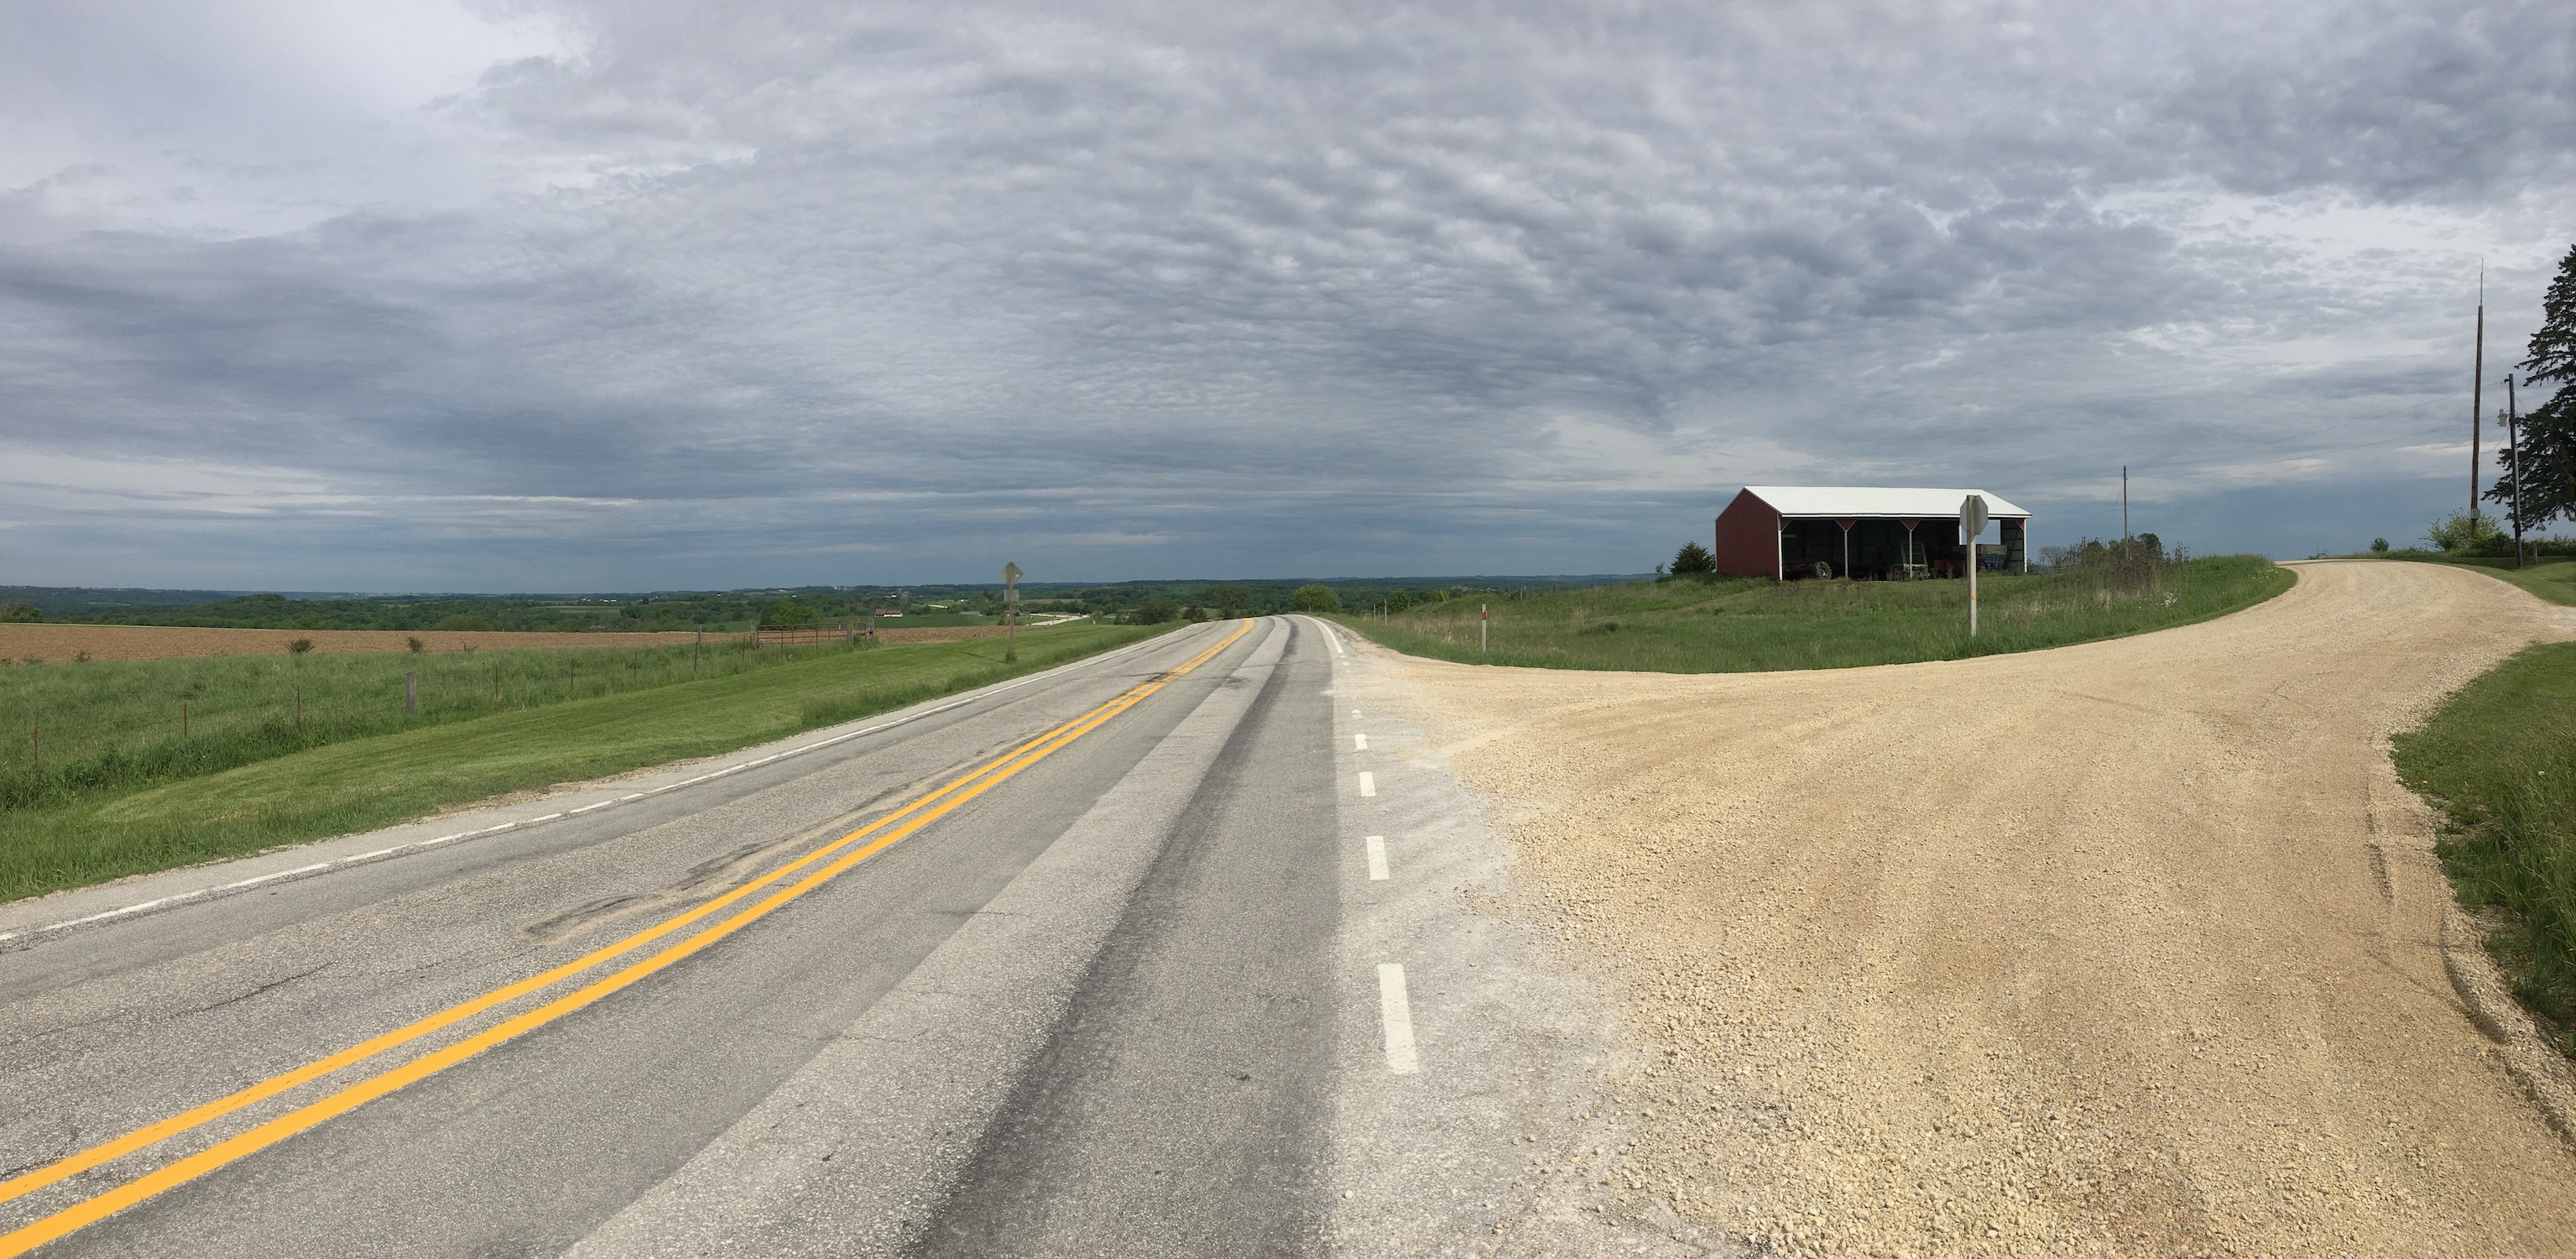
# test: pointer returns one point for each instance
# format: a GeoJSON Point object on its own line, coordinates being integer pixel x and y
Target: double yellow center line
{"type": "Point", "coordinates": [818, 867]}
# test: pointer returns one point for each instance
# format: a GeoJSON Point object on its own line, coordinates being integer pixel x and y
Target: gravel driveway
{"type": "Point", "coordinates": [2133, 947]}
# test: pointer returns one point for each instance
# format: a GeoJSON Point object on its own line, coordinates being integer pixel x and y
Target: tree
{"type": "Point", "coordinates": [2545, 449]}
{"type": "Point", "coordinates": [1155, 610]}
{"type": "Point", "coordinates": [1228, 600]}
{"type": "Point", "coordinates": [789, 612]}
{"type": "Point", "coordinates": [19, 614]}
{"type": "Point", "coordinates": [1397, 601]}
{"type": "Point", "coordinates": [2379, 546]}
{"type": "Point", "coordinates": [1694, 560]}
{"type": "Point", "coordinates": [1315, 598]}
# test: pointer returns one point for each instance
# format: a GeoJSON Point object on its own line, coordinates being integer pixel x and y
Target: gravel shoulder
{"type": "Point", "coordinates": [2133, 947]}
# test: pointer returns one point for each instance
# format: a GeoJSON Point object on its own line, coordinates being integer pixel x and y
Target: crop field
{"type": "Point", "coordinates": [1738, 625]}
{"type": "Point", "coordinates": [121, 790]}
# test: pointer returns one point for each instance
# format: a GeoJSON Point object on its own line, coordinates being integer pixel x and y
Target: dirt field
{"type": "Point", "coordinates": [60, 643]}
{"type": "Point", "coordinates": [2127, 948]}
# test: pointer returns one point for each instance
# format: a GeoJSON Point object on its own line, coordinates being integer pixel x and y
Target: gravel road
{"type": "Point", "coordinates": [2134, 947]}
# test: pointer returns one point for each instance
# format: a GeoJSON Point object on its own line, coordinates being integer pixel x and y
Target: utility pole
{"type": "Point", "coordinates": [2513, 442]}
{"type": "Point", "coordinates": [2477, 382]}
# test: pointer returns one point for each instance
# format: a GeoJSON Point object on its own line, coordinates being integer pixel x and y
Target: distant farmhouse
{"type": "Point", "coordinates": [1871, 532]}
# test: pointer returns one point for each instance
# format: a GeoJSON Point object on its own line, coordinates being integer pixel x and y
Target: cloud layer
{"type": "Point", "coordinates": [688, 295]}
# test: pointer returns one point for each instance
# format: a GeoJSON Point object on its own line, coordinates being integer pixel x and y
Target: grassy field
{"type": "Point", "coordinates": [2500, 759]}
{"type": "Point", "coordinates": [73, 833]}
{"type": "Point", "coordinates": [1748, 625]}
{"type": "Point", "coordinates": [81, 727]}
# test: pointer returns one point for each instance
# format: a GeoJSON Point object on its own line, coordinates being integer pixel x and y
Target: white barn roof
{"type": "Point", "coordinates": [1875, 502]}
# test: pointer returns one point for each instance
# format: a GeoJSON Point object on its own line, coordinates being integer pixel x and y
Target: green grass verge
{"type": "Point", "coordinates": [1750, 625]}
{"type": "Point", "coordinates": [2553, 579]}
{"type": "Point", "coordinates": [362, 783]}
{"type": "Point", "coordinates": [2499, 758]}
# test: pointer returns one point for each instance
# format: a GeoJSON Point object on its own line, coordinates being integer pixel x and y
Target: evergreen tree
{"type": "Point", "coordinates": [2546, 445]}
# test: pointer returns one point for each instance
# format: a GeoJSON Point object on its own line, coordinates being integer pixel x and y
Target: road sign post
{"type": "Point", "coordinates": [1972, 521]}
{"type": "Point", "coordinates": [1010, 613]}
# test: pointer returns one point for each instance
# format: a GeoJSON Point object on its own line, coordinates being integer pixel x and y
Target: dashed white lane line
{"type": "Point", "coordinates": [1368, 783]}
{"type": "Point", "coordinates": [1377, 856]}
{"type": "Point", "coordinates": [1397, 1016]}
{"type": "Point", "coordinates": [22, 937]}
{"type": "Point", "coordinates": [1361, 740]}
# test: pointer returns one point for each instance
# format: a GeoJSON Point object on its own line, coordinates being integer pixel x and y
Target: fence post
{"type": "Point", "coordinates": [411, 694]}
{"type": "Point", "coordinates": [183, 720]}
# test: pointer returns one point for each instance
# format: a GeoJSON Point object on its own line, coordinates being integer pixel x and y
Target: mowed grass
{"type": "Point", "coordinates": [1750, 625]}
{"type": "Point", "coordinates": [361, 783]}
{"type": "Point", "coordinates": [2553, 579]}
{"type": "Point", "coordinates": [2499, 758]}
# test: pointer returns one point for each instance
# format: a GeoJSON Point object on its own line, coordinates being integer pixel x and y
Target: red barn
{"type": "Point", "coordinates": [1786, 531]}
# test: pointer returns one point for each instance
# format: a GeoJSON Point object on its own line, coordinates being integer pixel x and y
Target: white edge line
{"type": "Point", "coordinates": [16, 939]}
{"type": "Point", "coordinates": [1396, 1015]}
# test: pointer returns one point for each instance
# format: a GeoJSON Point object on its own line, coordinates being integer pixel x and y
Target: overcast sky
{"type": "Point", "coordinates": [424, 295]}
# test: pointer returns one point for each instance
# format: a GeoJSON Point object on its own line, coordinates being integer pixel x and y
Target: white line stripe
{"type": "Point", "coordinates": [1362, 740]}
{"type": "Point", "coordinates": [1368, 783]}
{"type": "Point", "coordinates": [1397, 1016]}
{"type": "Point", "coordinates": [1377, 856]}
{"type": "Point", "coordinates": [205, 893]}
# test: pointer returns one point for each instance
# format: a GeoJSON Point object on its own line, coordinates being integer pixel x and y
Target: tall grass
{"type": "Point", "coordinates": [136, 825]}
{"type": "Point", "coordinates": [2499, 758]}
{"type": "Point", "coordinates": [84, 726]}
{"type": "Point", "coordinates": [1684, 625]}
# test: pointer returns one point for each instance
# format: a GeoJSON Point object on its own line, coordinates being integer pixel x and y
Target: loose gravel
{"type": "Point", "coordinates": [2128, 948]}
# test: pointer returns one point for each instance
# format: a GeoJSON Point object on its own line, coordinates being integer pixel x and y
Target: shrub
{"type": "Point", "coordinates": [1315, 597]}
{"type": "Point", "coordinates": [299, 646]}
{"type": "Point", "coordinates": [1194, 614]}
{"type": "Point", "coordinates": [416, 646]}
{"type": "Point", "coordinates": [1694, 560]}
{"type": "Point", "coordinates": [2379, 546]}
{"type": "Point", "coordinates": [2460, 534]}
{"type": "Point", "coordinates": [19, 614]}
{"type": "Point", "coordinates": [463, 621]}
{"type": "Point", "coordinates": [1155, 610]}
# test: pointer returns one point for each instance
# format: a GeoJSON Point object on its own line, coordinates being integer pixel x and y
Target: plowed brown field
{"type": "Point", "coordinates": [2129, 948]}
{"type": "Point", "coordinates": [58, 643]}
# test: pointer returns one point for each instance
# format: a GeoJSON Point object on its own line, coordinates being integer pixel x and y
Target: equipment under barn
{"type": "Point", "coordinates": [1871, 532]}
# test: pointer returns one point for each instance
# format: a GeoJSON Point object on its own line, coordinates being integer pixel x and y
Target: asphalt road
{"type": "Point", "coordinates": [1105, 970]}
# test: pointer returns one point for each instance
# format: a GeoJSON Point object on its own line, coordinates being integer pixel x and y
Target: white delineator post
{"type": "Point", "coordinates": [1972, 521]}
{"type": "Point", "coordinates": [1484, 618]}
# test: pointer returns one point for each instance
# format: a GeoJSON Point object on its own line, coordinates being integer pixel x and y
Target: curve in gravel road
{"type": "Point", "coordinates": [2130, 947]}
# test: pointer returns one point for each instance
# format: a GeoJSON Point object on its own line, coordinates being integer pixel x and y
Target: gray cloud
{"type": "Point", "coordinates": [685, 295]}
